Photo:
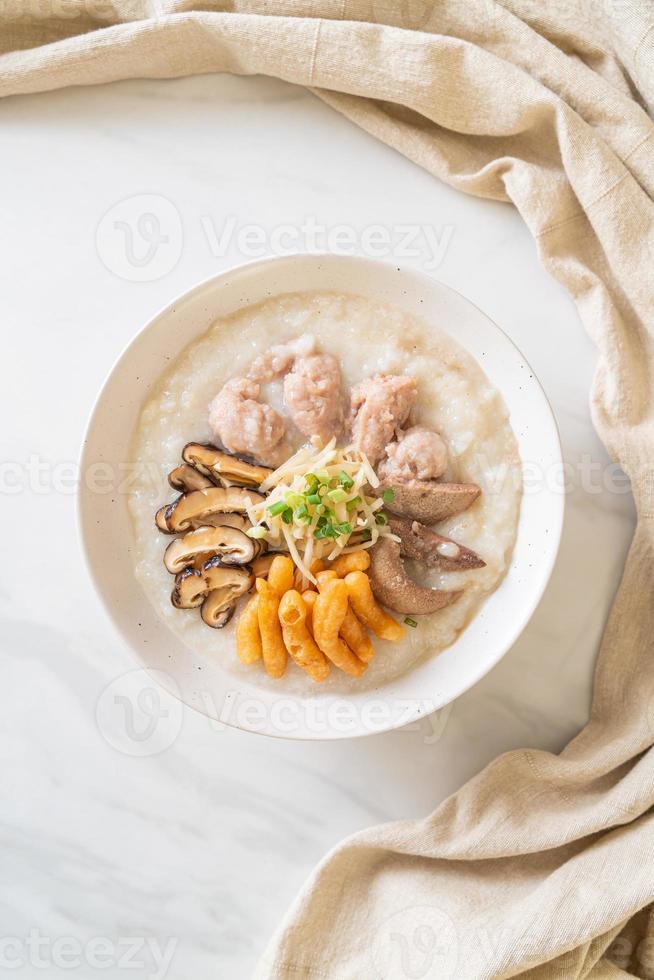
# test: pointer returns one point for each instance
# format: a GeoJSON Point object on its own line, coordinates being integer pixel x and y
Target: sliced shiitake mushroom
{"type": "Point", "coordinates": [233, 546]}
{"type": "Point", "coordinates": [160, 519]}
{"type": "Point", "coordinates": [200, 558]}
{"type": "Point", "coordinates": [190, 589]}
{"type": "Point", "coordinates": [207, 520]}
{"type": "Point", "coordinates": [186, 478]}
{"type": "Point", "coordinates": [218, 575]}
{"type": "Point", "coordinates": [224, 468]}
{"type": "Point", "coordinates": [424, 545]}
{"type": "Point", "coordinates": [227, 520]}
{"type": "Point", "coordinates": [226, 585]}
{"type": "Point", "coordinates": [192, 585]}
{"type": "Point", "coordinates": [393, 587]}
{"type": "Point", "coordinates": [233, 520]}
{"type": "Point", "coordinates": [428, 501]}
{"type": "Point", "coordinates": [214, 612]}
{"type": "Point", "coordinates": [194, 508]}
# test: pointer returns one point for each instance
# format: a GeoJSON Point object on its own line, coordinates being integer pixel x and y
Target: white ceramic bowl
{"type": "Point", "coordinates": [107, 534]}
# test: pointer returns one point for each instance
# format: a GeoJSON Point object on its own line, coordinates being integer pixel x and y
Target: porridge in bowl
{"type": "Point", "coordinates": [327, 488]}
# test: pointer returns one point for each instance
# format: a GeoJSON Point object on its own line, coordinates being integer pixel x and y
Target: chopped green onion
{"type": "Point", "coordinates": [328, 531]}
{"type": "Point", "coordinates": [287, 515]}
{"type": "Point", "coordinates": [256, 532]}
{"type": "Point", "coordinates": [353, 504]}
{"type": "Point", "coordinates": [345, 480]}
{"type": "Point", "coordinates": [322, 491]}
{"type": "Point", "coordinates": [313, 498]}
{"type": "Point", "coordinates": [293, 499]}
{"type": "Point", "coordinates": [302, 513]}
{"type": "Point", "coordinates": [277, 508]}
{"type": "Point", "coordinates": [312, 482]}
{"type": "Point", "coordinates": [338, 496]}
{"type": "Point", "coordinates": [323, 476]}
{"type": "Point", "coordinates": [366, 534]}
{"type": "Point", "coordinates": [388, 496]}
{"type": "Point", "coordinates": [411, 622]}
{"type": "Point", "coordinates": [321, 509]}
{"type": "Point", "coordinates": [345, 528]}
{"type": "Point", "coordinates": [322, 521]}
{"type": "Point", "coordinates": [380, 517]}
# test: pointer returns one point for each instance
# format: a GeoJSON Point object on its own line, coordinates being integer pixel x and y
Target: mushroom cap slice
{"type": "Point", "coordinates": [393, 587]}
{"type": "Point", "coordinates": [160, 519]}
{"type": "Point", "coordinates": [233, 520]}
{"type": "Point", "coordinates": [196, 506]}
{"type": "Point", "coordinates": [186, 478]}
{"type": "Point", "coordinates": [238, 578]}
{"type": "Point", "coordinates": [435, 551]}
{"type": "Point", "coordinates": [199, 559]}
{"type": "Point", "coordinates": [226, 584]}
{"type": "Point", "coordinates": [233, 546]}
{"type": "Point", "coordinates": [227, 520]}
{"type": "Point", "coordinates": [190, 589]}
{"type": "Point", "coordinates": [428, 501]}
{"type": "Point", "coordinates": [224, 468]}
{"type": "Point", "coordinates": [193, 585]}
{"type": "Point", "coordinates": [219, 519]}
{"type": "Point", "coordinates": [214, 612]}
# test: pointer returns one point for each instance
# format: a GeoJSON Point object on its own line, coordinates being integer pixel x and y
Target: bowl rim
{"type": "Point", "coordinates": [557, 517]}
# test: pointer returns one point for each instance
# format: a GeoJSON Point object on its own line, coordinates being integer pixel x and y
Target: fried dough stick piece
{"type": "Point", "coordinates": [352, 631]}
{"type": "Point", "coordinates": [273, 650]}
{"type": "Point", "coordinates": [310, 596]}
{"type": "Point", "coordinates": [358, 587]}
{"type": "Point", "coordinates": [355, 561]}
{"type": "Point", "coordinates": [329, 612]}
{"type": "Point", "coordinates": [248, 635]}
{"type": "Point", "coordinates": [297, 638]}
{"type": "Point", "coordinates": [280, 574]}
{"type": "Point", "coordinates": [354, 634]}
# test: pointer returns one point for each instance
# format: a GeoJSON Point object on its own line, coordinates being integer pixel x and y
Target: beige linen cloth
{"type": "Point", "coordinates": [542, 866]}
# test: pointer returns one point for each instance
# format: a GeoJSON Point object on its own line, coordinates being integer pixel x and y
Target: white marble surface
{"type": "Point", "coordinates": [206, 841]}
